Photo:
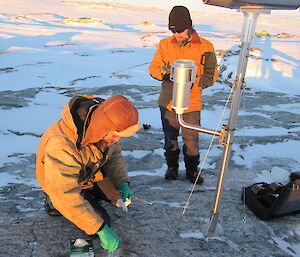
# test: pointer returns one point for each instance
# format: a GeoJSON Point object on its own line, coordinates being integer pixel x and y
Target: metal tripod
{"type": "Point", "coordinates": [250, 18]}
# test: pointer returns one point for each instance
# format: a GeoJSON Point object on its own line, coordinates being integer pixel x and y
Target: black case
{"type": "Point", "coordinates": [269, 201]}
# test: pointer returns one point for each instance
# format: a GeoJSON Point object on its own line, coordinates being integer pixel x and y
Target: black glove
{"type": "Point", "coordinates": [166, 77]}
{"type": "Point", "coordinates": [146, 126]}
{"type": "Point", "coordinates": [205, 86]}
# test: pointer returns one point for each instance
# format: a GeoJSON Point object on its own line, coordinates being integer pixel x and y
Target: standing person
{"type": "Point", "coordinates": [183, 44]}
{"type": "Point", "coordinates": [79, 162]}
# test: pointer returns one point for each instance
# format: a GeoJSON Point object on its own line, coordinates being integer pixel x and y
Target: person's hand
{"type": "Point", "coordinates": [166, 67]}
{"type": "Point", "coordinates": [205, 86]}
{"type": "Point", "coordinates": [109, 239]}
{"type": "Point", "coordinates": [166, 70]}
{"type": "Point", "coordinates": [166, 77]}
{"type": "Point", "coordinates": [125, 191]}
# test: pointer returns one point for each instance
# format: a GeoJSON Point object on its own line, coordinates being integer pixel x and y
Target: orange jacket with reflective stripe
{"type": "Point", "coordinates": [201, 51]}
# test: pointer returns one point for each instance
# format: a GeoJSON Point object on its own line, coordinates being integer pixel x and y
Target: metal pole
{"type": "Point", "coordinates": [198, 128]}
{"type": "Point", "coordinates": [250, 18]}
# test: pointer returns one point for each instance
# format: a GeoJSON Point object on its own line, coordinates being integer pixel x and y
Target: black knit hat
{"type": "Point", "coordinates": [179, 19]}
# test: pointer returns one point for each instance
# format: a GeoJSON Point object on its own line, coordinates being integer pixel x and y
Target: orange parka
{"type": "Point", "coordinates": [201, 52]}
{"type": "Point", "coordinates": [64, 167]}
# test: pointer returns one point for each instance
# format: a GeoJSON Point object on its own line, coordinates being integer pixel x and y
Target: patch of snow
{"type": "Point", "coordinates": [142, 173]}
{"type": "Point", "coordinates": [136, 153]}
{"type": "Point", "coordinates": [275, 175]}
{"type": "Point", "coordinates": [6, 178]}
{"type": "Point", "coordinates": [194, 235]}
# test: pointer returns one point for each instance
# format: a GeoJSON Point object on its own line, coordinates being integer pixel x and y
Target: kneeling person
{"type": "Point", "coordinates": [79, 162]}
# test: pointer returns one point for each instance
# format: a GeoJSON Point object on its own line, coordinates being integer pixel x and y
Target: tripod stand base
{"type": "Point", "coordinates": [214, 228]}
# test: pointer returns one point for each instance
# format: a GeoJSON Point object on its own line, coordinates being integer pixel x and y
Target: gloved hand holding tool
{"type": "Point", "coordinates": [125, 191]}
{"type": "Point", "coordinates": [109, 239]}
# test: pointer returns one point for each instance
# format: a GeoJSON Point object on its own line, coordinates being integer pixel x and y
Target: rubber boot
{"type": "Point", "coordinates": [192, 176]}
{"type": "Point", "coordinates": [172, 158]}
{"type": "Point", "coordinates": [171, 173]}
{"type": "Point", "coordinates": [192, 173]}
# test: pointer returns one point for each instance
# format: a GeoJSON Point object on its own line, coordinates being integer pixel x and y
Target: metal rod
{"type": "Point", "coordinates": [247, 36]}
{"type": "Point", "coordinates": [143, 201]}
{"type": "Point", "coordinates": [195, 127]}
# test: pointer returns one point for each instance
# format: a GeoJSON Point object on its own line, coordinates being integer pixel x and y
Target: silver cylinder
{"type": "Point", "coordinates": [183, 74]}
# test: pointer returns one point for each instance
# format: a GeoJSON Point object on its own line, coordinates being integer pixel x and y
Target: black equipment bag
{"type": "Point", "coordinates": [268, 201]}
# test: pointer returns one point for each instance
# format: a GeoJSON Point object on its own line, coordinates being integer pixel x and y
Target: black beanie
{"type": "Point", "coordinates": [180, 19]}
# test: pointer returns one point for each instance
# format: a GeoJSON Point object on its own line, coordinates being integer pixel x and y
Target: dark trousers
{"type": "Point", "coordinates": [94, 197]}
{"type": "Point", "coordinates": [103, 190]}
{"type": "Point", "coordinates": [190, 138]}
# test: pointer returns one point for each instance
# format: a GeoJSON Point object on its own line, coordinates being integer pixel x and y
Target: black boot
{"type": "Point", "coordinates": [192, 176]}
{"type": "Point", "coordinates": [171, 173]}
{"type": "Point", "coordinates": [49, 208]}
{"type": "Point", "coordinates": [191, 165]}
{"type": "Point", "coordinates": [192, 173]}
{"type": "Point", "coordinates": [172, 158]}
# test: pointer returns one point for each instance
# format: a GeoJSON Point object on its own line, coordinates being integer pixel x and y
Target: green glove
{"type": "Point", "coordinates": [125, 191]}
{"type": "Point", "coordinates": [109, 239]}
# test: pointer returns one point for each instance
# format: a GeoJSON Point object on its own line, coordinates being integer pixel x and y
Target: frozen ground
{"type": "Point", "coordinates": [51, 50]}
